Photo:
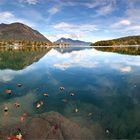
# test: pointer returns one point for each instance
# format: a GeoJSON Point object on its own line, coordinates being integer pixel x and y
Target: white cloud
{"type": "Point", "coordinates": [133, 63]}
{"type": "Point", "coordinates": [127, 30]}
{"type": "Point", "coordinates": [33, 2]}
{"type": "Point", "coordinates": [5, 16]}
{"type": "Point", "coordinates": [126, 26]}
{"type": "Point", "coordinates": [98, 3]}
{"type": "Point", "coordinates": [130, 20]}
{"type": "Point", "coordinates": [53, 10]}
{"type": "Point", "coordinates": [122, 23]}
{"type": "Point", "coordinates": [93, 4]}
{"type": "Point", "coordinates": [135, 29]}
{"type": "Point", "coordinates": [9, 17]}
{"type": "Point", "coordinates": [131, 25]}
{"type": "Point", "coordinates": [104, 10]}
{"type": "Point", "coordinates": [74, 31]}
{"type": "Point", "coordinates": [133, 14]}
{"type": "Point", "coordinates": [103, 7]}
{"type": "Point", "coordinates": [75, 27]}
{"type": "Point", "coordinates": [63, 25]}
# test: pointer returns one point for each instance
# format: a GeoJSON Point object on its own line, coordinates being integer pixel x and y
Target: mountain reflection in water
{"type": "Point", "coordinates": [122, 50]}
{"type": "Point", "coordinates": [105, 85]}
{"type": "Point", "coordinates": [17, 60]}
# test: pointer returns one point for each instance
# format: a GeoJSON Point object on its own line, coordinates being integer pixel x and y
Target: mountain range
{"type": "Point", "coordinates": [72, 42]}
{"type": "Point", "coordinates": [19, 31]}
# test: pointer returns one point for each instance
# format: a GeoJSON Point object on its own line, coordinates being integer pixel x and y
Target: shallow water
{"type": "Point", "coordinates": [106, 88]}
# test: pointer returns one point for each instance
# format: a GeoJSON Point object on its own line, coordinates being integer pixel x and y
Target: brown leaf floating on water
{"type": "Point", "coordinates": [19, 85]}
{"type": "Point", "coordinates": [39, 104]}
{"type": "Point", "coordinates": [8, 91]}
{"type": "Point", "coordinates": [62, 88]}
{"type": "Point", "coordinates": [46, 94]}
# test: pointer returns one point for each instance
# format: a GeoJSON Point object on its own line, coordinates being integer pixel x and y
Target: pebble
{"type": "Point", "coordinates": [25, 114]}
{"type": "Point", "coordinates": [19, 136]}
{"type": "Point", "coordinates": [17, 104]}
{"type": "Point", "coordinates": [56, 126]}
{"type": "Point", "coordinates": [12, 138]}
{"type": "Point", "coordinates": [6, 109]}
{"type": "Point", "coordinates": [22, 119]}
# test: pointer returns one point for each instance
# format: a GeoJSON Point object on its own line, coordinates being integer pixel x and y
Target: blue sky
{"type": "Point", "coordinates": [88, 20]}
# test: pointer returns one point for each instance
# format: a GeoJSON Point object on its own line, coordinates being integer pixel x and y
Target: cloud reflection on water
{"type": "Point", "coordinates": [84, 58]}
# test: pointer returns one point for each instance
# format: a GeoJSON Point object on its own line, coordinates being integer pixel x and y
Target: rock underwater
{"type": "Point", "coordinates": [51, 125]}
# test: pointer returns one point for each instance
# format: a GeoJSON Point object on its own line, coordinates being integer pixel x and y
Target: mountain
{"type": "Point", "coordinates": [19, 31]}
{"type": "Point", "coordinates": [72, 42]}
{"type": "Point", "coordinates": [130, 40]}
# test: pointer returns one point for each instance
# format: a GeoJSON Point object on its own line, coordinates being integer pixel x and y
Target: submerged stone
{"type": "Point", "coordinates": [6, 109]}
{"type": "Point", "coordinates": [16, 104]}
{"type": "Point", "coordinates": [45, 126]}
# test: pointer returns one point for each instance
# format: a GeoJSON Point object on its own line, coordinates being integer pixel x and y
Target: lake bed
{"type": "Point", "coordinates": [101, 88]}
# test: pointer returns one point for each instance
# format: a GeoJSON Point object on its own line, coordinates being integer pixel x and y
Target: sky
{"type": "Point", "coordinates": [87, 20]}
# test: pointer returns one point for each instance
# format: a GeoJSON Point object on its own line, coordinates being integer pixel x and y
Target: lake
{"type": "Point", "coordinates": [101, 87]}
